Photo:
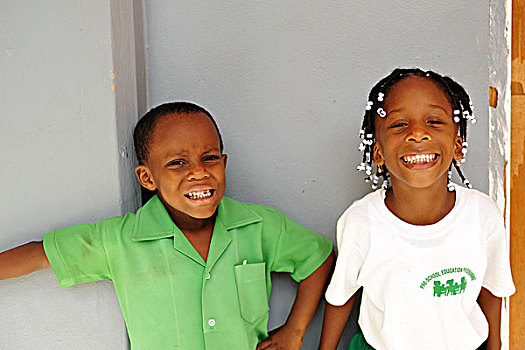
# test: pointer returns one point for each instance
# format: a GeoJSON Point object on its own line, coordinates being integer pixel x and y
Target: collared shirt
{"type": "Point", "coordinates": [170, 297]}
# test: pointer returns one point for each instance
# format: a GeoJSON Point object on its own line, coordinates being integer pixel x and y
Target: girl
{"type": "Point", "coordinates": [430, 256]}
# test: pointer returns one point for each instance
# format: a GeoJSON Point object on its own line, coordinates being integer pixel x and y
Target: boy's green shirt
{"type": "Point", "coordinates": [170, 297]}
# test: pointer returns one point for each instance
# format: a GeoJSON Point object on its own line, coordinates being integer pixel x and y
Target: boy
{"type": "Point", "coordinates": [191, 268]}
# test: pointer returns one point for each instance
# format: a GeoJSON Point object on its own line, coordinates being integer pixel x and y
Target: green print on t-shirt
{"type": "Point", "coordinates": [450, 288]}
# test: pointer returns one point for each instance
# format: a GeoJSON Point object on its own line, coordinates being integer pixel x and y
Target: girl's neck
{"type": "Point", "coordinates": [421, 206]}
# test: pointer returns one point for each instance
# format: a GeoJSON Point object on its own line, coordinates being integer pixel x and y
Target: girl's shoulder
{"type": "Point", "coordinates": [363, 207]}
{"type": "Point", "coordinates": [476, 200]}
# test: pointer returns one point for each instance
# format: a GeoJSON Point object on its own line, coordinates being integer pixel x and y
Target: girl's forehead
{"type": "Point", "coordinates": [416, 89]}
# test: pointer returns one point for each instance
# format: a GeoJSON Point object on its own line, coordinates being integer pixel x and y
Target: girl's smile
{"type": "Point", "coordinates": [417, 139]}
{"type": "Point", "coordinates": [420, 160]}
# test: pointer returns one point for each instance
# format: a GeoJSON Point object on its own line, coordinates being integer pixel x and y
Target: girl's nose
{"type": "Point", "coordinates": [417, 133]}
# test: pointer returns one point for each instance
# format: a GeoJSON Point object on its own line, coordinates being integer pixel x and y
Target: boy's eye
{"type": "Point", "coordinates": [177, 162]}
{"type": "Point", "coordinates": [210, 158]}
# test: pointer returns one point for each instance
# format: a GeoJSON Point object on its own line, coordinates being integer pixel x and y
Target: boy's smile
{"type": "Point", "coordinates": [417, 139]}
{"type": "Point", "coordinates": [185, 166]}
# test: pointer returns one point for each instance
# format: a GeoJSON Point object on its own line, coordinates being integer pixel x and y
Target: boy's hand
{"type": "Point", "coordinates": [282, 338]}
{"type": "Point", "coordinates": [309, 292]}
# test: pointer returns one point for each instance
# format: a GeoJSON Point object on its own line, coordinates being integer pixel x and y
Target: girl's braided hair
{"type": "Point", "coordinates": [457, 96]}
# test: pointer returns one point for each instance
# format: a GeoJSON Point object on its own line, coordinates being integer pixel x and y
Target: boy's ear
{"type": "Point", "coordinates": [458, 148]}
{"type": "Point", "coordinates": [378, 155]}
{"type": "Point", "coordinates": [145, 178]}
{"type": "Point", "coordinates": [225, 159]}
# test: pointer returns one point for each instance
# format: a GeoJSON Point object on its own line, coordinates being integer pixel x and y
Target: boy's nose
{"type": "Point", "coordinates": [197, 172]}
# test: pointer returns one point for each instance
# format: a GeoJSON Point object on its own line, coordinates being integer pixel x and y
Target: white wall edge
{"type": "Point", "coordinates": [506, 305]}
{"type": "Point", "coordinates": [500, 43]}
{"type": "Point", "coordinates": [127, 67]}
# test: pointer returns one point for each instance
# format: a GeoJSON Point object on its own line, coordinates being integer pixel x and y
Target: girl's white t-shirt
{"type": "Point", "coordinates": [420, 283]}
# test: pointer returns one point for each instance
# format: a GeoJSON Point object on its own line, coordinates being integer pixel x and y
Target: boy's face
{"type": "Point", "coordinates": [185, 166]}
{"type": "Point", "coordinates": [417, 139]}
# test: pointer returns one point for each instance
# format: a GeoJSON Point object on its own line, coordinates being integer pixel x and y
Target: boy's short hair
{"type": "Point", "coordinates": [145, 126]}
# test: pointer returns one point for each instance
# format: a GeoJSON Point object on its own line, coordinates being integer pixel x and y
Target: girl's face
{"type": "Point", "coordinates": [417, 139]}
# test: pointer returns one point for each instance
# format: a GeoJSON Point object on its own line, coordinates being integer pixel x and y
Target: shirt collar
{"type": "Point", "coordinates": [152, 221]}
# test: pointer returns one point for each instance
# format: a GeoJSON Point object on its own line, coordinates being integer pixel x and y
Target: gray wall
{"type": "Point", "coordinates": [288, 82]}
{"type": "Point", "coordinates": [65, 104]}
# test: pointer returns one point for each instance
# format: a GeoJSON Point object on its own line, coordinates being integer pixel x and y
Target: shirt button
{"type": "Point", "coordinates": [211, 322]}
{"type": "Point", "coordinates": [208, 276]}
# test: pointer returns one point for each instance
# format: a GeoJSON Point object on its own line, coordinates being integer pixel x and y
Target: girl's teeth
{"type": "Point", "coordinates": [419, 158]}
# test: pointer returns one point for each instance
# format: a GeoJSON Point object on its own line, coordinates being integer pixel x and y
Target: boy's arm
{"type": "Point", "coordinates": [23, 260]}
{"type": "Point", "coordinates": [335, 319]}
{"type": "Point", "coordinates": [290, 335]}
{"type": "Point", "coordinates": [491, 306]}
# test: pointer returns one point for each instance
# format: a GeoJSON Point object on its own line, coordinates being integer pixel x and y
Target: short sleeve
{"type": "Point", "coordinates": [300, 251]}
{"type": "Point", "coordinates": [77, 254]}
{"type": "Point", "coordinates": [498, 278]}
{"type": "Point", "coordinates": [351, 247]}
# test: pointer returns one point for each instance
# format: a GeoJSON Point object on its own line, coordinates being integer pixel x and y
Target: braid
{"type": "Point", "coordinates": [457, 96]}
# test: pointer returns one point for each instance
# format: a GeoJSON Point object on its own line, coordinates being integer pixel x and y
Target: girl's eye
{"type": "Point", "coordinates": [435, 122]}
{"type": "Point", "coordinates": [398, 125]}
{"type": "Point", "coordinates": [210, 158]}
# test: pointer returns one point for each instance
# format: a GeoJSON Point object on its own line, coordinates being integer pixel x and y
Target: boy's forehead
{"type": "Point", "coordinates": [174, 125]}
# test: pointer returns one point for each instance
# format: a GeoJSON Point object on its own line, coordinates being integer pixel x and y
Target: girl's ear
{"type": "Point", "coordinates": [145, 177]}
{"type": "Point", "coordinates": [378, 155]}
{"type": "Point", "coordinates": [458, 148]}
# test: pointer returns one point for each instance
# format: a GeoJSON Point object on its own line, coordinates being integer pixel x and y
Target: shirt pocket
{"type": "Point", "coordinates": [251, 288]}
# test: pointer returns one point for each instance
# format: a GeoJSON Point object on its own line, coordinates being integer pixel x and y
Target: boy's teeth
{"type": "Point", "coordinates": [419, 158]}
{"type": "Point", "coordinates": [199, 194]}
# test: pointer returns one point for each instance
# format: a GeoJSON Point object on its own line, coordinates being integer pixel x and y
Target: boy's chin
{"type": "Point", "coordinates": [203, 216]}
{"type": "Point", "coordinates": [183, 211]}
{"type": "Point", "coordinates": [206, 212]}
